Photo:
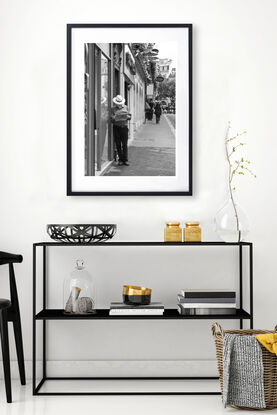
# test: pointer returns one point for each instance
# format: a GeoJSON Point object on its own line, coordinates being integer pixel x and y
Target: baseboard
{"type": "Point", "coordinates": [120, 368]}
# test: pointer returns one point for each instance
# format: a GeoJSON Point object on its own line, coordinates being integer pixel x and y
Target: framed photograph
{"type": "Point", "coordinates": [129, 109]}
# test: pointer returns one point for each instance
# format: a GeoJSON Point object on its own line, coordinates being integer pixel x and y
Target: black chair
{"type": "Point", "coordinates": [9, 311]}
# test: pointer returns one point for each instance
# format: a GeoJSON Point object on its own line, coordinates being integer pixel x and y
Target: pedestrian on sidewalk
{"type": "Point", "coordinates": [151, 112]}
{"type": "Point", "coordinates": [147, 110]}
{"type": "Point", "coordinates": [120, 118]}
{"type": "Point", "coordinates": [158, 111]}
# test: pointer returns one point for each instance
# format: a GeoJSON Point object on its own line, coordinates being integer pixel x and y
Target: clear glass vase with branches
{"type": "Point", "coordinates": [237, 166]}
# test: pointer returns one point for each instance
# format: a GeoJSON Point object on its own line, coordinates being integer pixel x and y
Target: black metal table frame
{"type": "Point", "coordinates": [170, 314]}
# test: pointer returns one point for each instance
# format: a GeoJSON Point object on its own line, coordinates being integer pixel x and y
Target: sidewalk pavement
{"type": "Point", "coordinates": [151, 152]}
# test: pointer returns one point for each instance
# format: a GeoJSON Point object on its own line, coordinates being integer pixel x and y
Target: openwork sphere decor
{"type": "Point", "coordinates": [81, 233]}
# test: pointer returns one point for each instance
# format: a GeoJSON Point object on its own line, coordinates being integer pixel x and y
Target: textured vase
{"type": "Point", "coordinates": [232, 225]}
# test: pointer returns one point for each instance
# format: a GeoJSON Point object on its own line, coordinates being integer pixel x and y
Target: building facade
{"type": "Point", "coordinates": [165, 66]}
{"type": "Point", "coordinates": [111, 69]}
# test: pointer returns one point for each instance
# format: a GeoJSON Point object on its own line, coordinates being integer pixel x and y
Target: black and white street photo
{"type": "Point", "coordinates": [130, 107]}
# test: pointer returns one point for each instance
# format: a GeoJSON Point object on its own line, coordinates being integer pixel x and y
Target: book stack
{"type": "Point", "coordinates": [121, 309]}
{"type": "Point", "coordinates": [206, 302]}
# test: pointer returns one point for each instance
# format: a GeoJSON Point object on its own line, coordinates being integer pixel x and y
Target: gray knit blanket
{"type": "Point", "coordinates": [243, 372]}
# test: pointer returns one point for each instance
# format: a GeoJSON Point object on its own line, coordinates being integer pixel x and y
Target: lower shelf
{"type": "Point", "coordinates": [90, 386]}
{"type": "Point", "coordinates": [169, 314]}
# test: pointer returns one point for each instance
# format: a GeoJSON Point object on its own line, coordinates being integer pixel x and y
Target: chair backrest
{"type": "Point", "coordinates": [6, 258]}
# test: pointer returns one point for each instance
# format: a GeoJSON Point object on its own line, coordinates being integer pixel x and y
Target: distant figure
{"type": "Point", "coordinates": [120, 117]}
{"type": "Point", "coordinates": [151, 105]}
{"type": "Point", "coordinates": [149, 110]}
{"type": "Point", "coordinates": [158, 112]}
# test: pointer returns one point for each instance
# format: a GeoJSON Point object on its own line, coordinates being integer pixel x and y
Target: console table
{"type": "Point", "coordinates": [45, 314]}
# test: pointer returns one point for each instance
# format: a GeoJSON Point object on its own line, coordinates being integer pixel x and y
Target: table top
{"type": "Point", "coordinates": [144, 243]}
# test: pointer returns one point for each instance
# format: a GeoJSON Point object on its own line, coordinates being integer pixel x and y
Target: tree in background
{"type": "Point", "coordinates": [166, 89]}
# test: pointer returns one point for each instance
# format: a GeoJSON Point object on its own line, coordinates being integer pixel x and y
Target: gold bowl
{"type": "Point", "coordinates": [134, 295]}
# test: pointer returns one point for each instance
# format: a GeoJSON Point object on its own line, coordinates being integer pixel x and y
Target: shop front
{"type": "Point", "coordinates": [98, 143]}
{"type": "Point", "coordinates": [110, 69]}
{"type": "Point", "coordinates": [135, 84]}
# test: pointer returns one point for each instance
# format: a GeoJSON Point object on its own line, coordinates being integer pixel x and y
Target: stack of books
{"type": "Point", "coordinates": [204, 302]}
{"type": "Point", "coordinates": [121, 309]}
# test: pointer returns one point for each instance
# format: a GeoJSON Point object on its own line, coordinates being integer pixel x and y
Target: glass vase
{"type": "Point", "coordinates": [232, 224]}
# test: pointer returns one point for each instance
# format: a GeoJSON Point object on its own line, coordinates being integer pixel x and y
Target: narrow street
{"type": "Point", "coordinates": [152, 151]}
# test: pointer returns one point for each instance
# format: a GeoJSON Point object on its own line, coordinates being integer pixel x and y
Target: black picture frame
{"type": "Point", "coordinates": [69, 191]}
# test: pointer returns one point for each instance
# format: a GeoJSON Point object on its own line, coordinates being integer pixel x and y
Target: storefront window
{"type": "Point", "coordinates": [99, 149]}
{"type": "Point", "coordinates": [97, 106]}
{"type": "Point", "coordinates": [104, 109]}
{"type": "Point", "coordinates": [105, 47]}
{"type": "Point", "coordinates": [89, 109]}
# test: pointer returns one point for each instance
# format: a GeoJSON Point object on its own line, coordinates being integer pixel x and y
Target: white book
{"type": "Point", "coordinates": [123, 306]}
{"type": "Point", "coordinates": [136, 312]}
{"type": "Point", "coordinates": [208, 305]}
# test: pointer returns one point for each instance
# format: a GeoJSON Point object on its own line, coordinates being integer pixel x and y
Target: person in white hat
{"type": "Point", "coordinates": [120, 118]}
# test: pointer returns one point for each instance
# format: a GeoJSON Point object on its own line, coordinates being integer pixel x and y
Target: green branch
{"type": "Point", "coordinates": [240, 169]}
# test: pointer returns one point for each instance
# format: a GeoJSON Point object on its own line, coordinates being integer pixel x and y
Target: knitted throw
{"type": "Point", "coordinates": [243, 372]}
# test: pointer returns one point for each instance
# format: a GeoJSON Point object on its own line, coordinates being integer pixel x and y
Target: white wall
{"type": "Point", "coordinates": [235, 79]}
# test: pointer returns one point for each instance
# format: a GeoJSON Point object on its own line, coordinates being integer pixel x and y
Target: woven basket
{"type": "Point", "coordinates": [269, 363]}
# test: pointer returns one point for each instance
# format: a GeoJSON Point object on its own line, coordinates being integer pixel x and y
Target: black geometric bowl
{"type": "Point", "coordinates": [81, 233]}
